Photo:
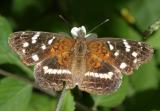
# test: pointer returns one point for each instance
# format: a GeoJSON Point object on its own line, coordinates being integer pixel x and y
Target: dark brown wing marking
{"type": "Point", "coordinates": [34, 47]}
{"type": "Point", "coordinates": [49, 74]}
{"type": "Point", "coordinates": [125, 55]}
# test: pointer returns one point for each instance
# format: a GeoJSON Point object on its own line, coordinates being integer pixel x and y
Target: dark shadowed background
{"type": "Point", "coordinates": [128, 19]}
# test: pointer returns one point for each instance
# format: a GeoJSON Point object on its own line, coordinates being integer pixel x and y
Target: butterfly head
{"type": "Point", "coordinates": [78, 32]}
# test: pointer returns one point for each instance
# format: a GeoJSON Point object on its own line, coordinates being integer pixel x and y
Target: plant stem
{"type": "Point", "coordinates": [60, 101]}
{"type": "Point", "coordinates": [152, 28]}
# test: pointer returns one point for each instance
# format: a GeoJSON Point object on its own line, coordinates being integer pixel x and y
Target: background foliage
{"type": "Point", "coordinates": [128, 19]}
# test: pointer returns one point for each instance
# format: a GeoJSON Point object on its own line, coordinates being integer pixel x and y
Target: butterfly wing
{"type": "Point", "coordinates": [34, 46]}
{"type": "Point", "coordinates": [102, 79]}
{"type": "Point", "coordinates": [107, 58]}
{"type": "Point", "coordinates": [125, 55]}
{"type": "Point", "coordinates": [51, 75]}
{"type": "Point", "coordinates": [50, 52]}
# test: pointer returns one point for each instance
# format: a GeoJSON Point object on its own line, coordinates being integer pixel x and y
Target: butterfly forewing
{"type": "Point", "coordinates": [125, 55]}
{"type": "Point", "coordinates": [35, 46]}
{"type": "Point", "coordinates": [51, 52]}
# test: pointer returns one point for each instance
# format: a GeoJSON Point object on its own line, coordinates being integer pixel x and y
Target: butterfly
{"type": "Point", "coordinates": [93, 64]}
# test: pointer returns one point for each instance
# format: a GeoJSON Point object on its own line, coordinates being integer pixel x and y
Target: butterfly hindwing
{"type": "Point", "coordinates": [49, 74]}
{"type": "Point", "coordinates": [126, 55]}
{"type": "Point", "coordinates": [35, 46]}
{"type": "Point", "coordinates": [100, 80]}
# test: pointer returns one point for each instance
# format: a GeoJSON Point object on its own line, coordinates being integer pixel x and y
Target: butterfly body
{"type": "Point", "coordinates": [94, 65]}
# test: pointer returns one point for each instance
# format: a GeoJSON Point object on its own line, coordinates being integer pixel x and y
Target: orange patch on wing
{"type": "Point", "coordinates": [61, 49]}
{"type": "Point", "coordinates": [98, 52]}
{"type": "Point", "coordinates": [93, 63]}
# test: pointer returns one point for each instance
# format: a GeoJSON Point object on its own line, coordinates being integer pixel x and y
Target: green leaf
{"type": "Point", "coordinates": [41, 103]}
{"type": "Point", "coordinates": [113, 99]}
{"type": "Point", "coordinates": [6, 54]}
{"type": "Point", "coordinates": [154, 40]}
{"type": "Point", "coordinates": [142, 9]}
{"type": "Point", "coordinates": [5, 30]}
{"type": "Point", "coordinates": [20, 6]}
{"type": "Point", "coordinates": [14, 95]}
{"type": "Point", "coordinates": [123, 30]}
{"type": "Point", "coordinates": [145, 78]}
{"type": "Point", "coordinates": [68, 102]}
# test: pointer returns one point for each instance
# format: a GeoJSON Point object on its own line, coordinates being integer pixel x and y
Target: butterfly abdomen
{"type": "Point", "coordinates": [78, 66]}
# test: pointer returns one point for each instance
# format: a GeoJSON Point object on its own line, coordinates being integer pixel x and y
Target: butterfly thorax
{"type": "Point", "coordinates": [80, 47]}
{"type": "Point", "coordinates": [78, 67]}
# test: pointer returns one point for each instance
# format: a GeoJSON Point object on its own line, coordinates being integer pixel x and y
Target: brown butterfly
{"type": "Point", "coordinates": [93, 64]}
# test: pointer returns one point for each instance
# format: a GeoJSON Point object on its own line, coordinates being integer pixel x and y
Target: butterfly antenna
{"type": "Point", "coordinates": [98, 25]}
{"type": "Point", "coordinates": [65, 20]}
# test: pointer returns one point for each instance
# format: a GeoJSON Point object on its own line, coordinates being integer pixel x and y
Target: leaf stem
{"type": "Point", "coordinates": [60, 101]}
{"type": "Point", "coordinates": [152, 28]}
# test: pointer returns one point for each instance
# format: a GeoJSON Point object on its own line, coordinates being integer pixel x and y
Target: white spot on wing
{"type": "Point", "coordinates": [128, 49]}
{"type": "Point", "coordinates": [127, 46]}
{"type": "Point", "coordinates": [123, 65]}
{"type": "Point", "coordinates": [25, 44]}
{"type": "Point", "coordinates": [135, 60]}
{"type": "Point", "coordinates": [51, 40]}
{"type": "Point", "coordinates": [23, 33]}
{"type": "Point", "coordinates": [116, 53]}
{"type": "Point", "coordinates": [100, 75]}
{"type": "Point", "coordinates": [35, 57]}
{"type": "Point", "coordinates": [49, 71]}
{"type": "Point", "coordinates": [45, 67]}
{"type": "Point", "coordinates": [35, 37]}
{"type": "Point", "coordinates": [110, 45]}
{"type": "Point", "coordinates": [110, 74]}
{"type": "Point", "coordinates": [134, 54]}
{"type": "Point", "coordinates": [64, 71]}
{"type": "Point", "coordinates": [24, 51]}
{"type": "Point", "coordinates": [68, 72]}
{"type": "Point", "coordinates": [55, 71]}
{"type": "Point", "coordinates": [124, 40]}
{"type": "Point", "coordinates": [96, 74]}
{"type": "Point", "coordinates": [43, 47]}
{"type": "Point", "coordinates": [34, 41]}
{"type": "Point", "coordinates": [59, 71]}
{"type": "Point", "coordinates": [139, 43]}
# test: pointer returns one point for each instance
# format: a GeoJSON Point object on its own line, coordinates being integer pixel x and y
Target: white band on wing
{"type": "Point", "coordinates": [55, 71]}
{"type": "Point", "coordinates": [100, 75]}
